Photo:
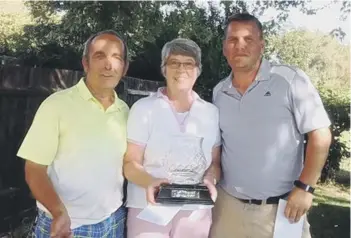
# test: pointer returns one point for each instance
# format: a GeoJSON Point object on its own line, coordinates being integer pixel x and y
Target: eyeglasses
{"type": "Point", "coordinates": [177, 65]}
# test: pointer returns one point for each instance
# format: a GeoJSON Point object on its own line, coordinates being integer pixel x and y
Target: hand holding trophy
{"type": "Point", "coordinates": [185, 164]}
{"type": "Point", "coordinates": [153, 189]}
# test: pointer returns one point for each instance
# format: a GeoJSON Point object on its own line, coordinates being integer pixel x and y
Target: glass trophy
{"type": "Point", "coordinates": [185, 165]}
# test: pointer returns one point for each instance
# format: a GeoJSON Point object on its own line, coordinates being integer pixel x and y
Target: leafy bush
{"type": "Point", "coordinates": [337, 105]}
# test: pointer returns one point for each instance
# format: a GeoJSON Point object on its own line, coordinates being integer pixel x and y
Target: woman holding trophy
{"type": "Point", "coordinates": [173, 151]}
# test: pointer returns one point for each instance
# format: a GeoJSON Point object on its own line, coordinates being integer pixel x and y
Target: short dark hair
{"type": "Point", "coordinates": [242, 17]}
{"type": "Point", "coordinates": [108, 32]}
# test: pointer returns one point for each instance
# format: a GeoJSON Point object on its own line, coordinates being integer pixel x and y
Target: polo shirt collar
{"type": "Point", "coordinates": [85, 93]}
{"type": "Point", "coordinates": [263, 74]}
{"type": "Point", "coordinates": [83, 90]}
{"type": "Point", "coordinates": [161, 90]}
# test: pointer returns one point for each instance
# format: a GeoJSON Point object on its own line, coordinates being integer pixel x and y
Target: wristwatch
{"type": "Point", "coordinates": [303, 186]}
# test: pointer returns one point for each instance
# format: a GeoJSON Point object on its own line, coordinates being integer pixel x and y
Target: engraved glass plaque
{"type": "Point", "coordinates": [185, 165]}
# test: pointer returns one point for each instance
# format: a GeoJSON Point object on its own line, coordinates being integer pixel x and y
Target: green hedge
{"type": "Point", "coordinates": [337, 105]}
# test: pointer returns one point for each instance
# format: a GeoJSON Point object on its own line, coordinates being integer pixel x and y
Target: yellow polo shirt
{"type": "Point", "coordinates": [83, 146]}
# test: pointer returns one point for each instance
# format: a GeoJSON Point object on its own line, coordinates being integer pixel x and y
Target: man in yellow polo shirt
{"type": "Point", "coordinates": [74, 149]}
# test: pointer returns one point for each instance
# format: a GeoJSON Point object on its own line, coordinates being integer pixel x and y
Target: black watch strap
{"type": "Point", "coordinates": [304, 186]}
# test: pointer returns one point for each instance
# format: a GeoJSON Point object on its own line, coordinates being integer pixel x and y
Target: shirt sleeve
{"type": "Point", "coordinates": [41, 141]}
{"type": "Point", "coordinates": [138, 123]}
{"type": "Point", "coordinates": [215, 92]}
{"type": "Point", "coordinates": [218, 140]}
{"type": "Point", "coordinates": [307, 105]}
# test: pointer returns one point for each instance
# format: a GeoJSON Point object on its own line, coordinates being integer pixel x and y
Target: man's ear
{"type": "Point", "coordinates": [85, 64]}
{"type": "Point", "coordinates": [263, 44]}
{"type": "Point", "coordinates": [125, 70]}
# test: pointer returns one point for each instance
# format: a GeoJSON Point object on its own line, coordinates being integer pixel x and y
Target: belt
{"type": "Point", "coordinates": [270, 200]}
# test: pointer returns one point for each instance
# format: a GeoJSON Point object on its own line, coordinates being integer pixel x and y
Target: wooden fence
{"type": "Point", "coordinates": [22, 89]}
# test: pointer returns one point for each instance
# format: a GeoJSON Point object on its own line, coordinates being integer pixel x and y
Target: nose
{"type": "Point", "coordinates": [241, 44]}
{"type": "Point", "coordinates": [108, 64]}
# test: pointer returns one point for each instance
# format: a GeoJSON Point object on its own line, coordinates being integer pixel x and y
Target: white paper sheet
{"type": "Point", "coordinates": [160, 215]}
{"type": "Point", "coordinates": [195, 207]}
{"type": "Point", "coordinates": [283, 228]}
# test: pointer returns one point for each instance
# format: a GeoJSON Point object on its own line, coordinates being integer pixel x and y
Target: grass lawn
{"type": "Point", "coordinates": [330, 214]}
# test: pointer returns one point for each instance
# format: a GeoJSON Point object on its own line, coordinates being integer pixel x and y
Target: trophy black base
{"type": "Point", "coordinates": [179, 194]}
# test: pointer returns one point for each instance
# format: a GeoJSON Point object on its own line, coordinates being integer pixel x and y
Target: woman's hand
{"type": "Point", "coordinates": [153, 189]}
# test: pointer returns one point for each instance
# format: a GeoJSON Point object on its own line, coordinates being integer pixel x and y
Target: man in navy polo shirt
{"type": "Point", "coordinates": [264, 111]}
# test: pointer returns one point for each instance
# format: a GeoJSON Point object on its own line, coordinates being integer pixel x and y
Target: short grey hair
{"type": "Point", "coordinates": [181, 46]}
{"type": "Point", "coordinates": [108, 32]}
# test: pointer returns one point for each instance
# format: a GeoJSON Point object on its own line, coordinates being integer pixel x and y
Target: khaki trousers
{"type": "Point", "coordinates": [232, 218]}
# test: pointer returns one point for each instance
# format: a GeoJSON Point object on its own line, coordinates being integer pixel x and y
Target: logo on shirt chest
{"type": "Point", "coordinates": [268, 93]}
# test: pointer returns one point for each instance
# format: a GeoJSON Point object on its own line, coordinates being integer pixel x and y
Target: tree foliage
{"type": "Point", "coordinates": [322, 57]}
{"type": "Point", "coordinates": [11, 32]}
{"type": "Point", "coordinates": [57, 38]}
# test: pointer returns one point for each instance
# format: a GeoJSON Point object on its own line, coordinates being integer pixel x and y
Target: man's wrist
{"type": "Point", "coordinates": [58, 211]}
{"type": "Point", "coordinates": [301, 185]}
{"type": "Point", "coordinates": [150, 181]}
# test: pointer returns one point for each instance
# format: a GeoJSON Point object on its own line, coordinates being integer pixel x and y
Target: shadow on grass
{"type": "Point", "coordinates": [321, 198]}
{"type": "Point", "coordinates": [343, 177]}
{"type": "Point", "coordinates": [328, 221]}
